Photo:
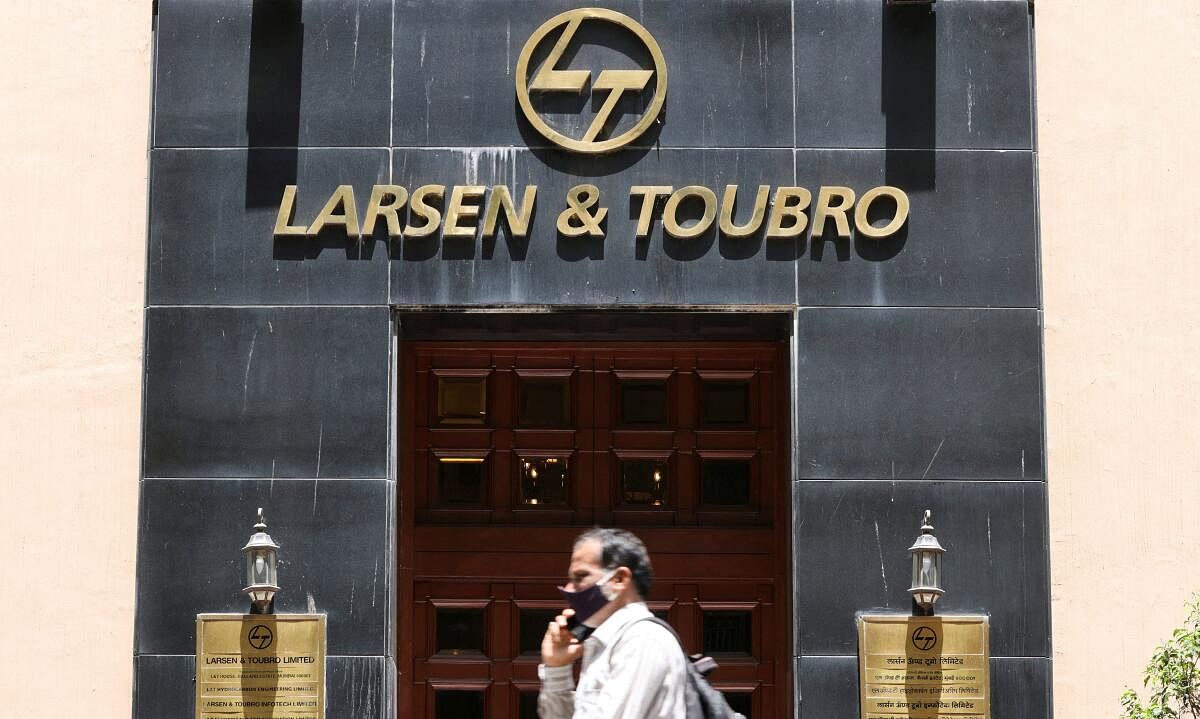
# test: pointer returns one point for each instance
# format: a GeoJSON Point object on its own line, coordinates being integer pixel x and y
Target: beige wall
{"type": "Point", "coordinates": [1119, 125]}
{"type": "Point", "coordinates": [73, 123]}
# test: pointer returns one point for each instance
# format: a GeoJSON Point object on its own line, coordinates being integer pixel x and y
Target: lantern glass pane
{"type": "Point", "coordinates": [261, 570]}
{"type": "Point", "coordinates": [928, 576]}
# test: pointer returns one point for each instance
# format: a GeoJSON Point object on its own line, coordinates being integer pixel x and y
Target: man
{"type": "Point", "coordinates": [632, 669]}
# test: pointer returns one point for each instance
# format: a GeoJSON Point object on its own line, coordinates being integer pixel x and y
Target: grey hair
{"type": "Point", "coordinates": [619, 548]}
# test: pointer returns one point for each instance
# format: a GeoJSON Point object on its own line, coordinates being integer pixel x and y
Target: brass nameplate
{"type": "Point", "coordinates": [256, 666]}
{"type": "Point", "coordinates": [923, 667]}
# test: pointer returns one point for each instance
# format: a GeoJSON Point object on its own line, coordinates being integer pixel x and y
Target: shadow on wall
{"type": "Point", "coordinates": [273, 99]}
{"type": "Point", "coordinates": [908, 94]}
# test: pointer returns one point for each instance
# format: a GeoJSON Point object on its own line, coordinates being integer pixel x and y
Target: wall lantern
{"type": "Point", "coordinates": [261, 554]}
{"type": "Point", "coordinates": [926, 567]}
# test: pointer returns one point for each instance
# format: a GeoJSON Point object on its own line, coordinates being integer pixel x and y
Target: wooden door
{"type": "Point", "coordinates": [509, 450]}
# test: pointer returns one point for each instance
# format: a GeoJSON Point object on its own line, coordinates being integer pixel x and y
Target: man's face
{"type": "Point", "coordinates": [585, 569]}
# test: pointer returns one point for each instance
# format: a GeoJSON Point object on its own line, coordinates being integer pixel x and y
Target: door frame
{"type": "Point", "coordinates": [497, 323]}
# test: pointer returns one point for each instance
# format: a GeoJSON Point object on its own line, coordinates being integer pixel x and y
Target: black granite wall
{"type": "Point", "coordinates": [917, 368]}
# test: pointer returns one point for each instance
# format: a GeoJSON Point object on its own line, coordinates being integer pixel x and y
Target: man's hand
{"type": "Point", "coordinates": [559, 647]}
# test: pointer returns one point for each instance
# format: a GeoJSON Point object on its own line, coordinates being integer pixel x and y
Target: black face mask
{"type": "Point", "coordinates": [586, 602]}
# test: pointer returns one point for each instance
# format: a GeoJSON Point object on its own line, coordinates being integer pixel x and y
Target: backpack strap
{"type": "Point", "coordinates": [703, 664]}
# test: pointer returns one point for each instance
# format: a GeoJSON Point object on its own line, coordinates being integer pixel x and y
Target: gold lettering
{"type": "Point", "coordinates": [825, 210]}
{"type": "Point", "coordinates": [457, 211]}
{"type": "Point", "coordinates": [431, 216]}
{"type": "Point", "coordinates": [863, 224]}
{"type": "Point", "coordinates": [338, 210]}
{"type": "Point", "coordinates": [649, 195]}
{"type": "Point", "coordinates": [386, 201]}
{"type": "Point", "coordinates": [671, 222]}
{"type": "Point", "coordinates": [728, 203]}
{"type": "Point", "coordinates": [287, 206]}
{"type": "Point", "coordinates": [518, 225]}
{"type": "Point", "coordinates": [789, 202]}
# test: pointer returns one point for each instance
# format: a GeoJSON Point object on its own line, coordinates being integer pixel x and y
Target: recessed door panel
{"type": "Point", "coordinates": [509, 450]}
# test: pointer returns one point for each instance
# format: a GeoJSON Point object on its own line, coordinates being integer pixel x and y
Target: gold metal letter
{"type": "Point", "coordinates": [865, 228]}
{"type": "Point", "coordinates": [650, 194]}
{"type": "Point", "coordinates": [824, 210]}
{"type": "Point", "coordinates": [342, 199]}
{"type": "Point", "coordinates": [671, 223]}
{"type": "Point", "coordinates": [395, 197]}
{"type": "Point", "coordinates": [616, 82]}
{"type": "Point", "coordinates": [287, 205]}
{"type": "Point", "coordinates": [756, 219]}
{"type": "Point", "coordinates": [518, 225]}
{"type": "Point", "coordinates": [456, 211]}
{"type": "Point", "coordinates": [784, 207]}
{"type": "Point", "coordinates": [431, 215]}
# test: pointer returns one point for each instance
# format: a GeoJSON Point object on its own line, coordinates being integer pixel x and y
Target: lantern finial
{"type": "Point", "coordinates": [261, 525]}
{"type": "Point", "coordinates": [926, 525]}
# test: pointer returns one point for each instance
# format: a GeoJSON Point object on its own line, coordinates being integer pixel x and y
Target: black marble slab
{"type": "Point", "coordinates": [272, 73]}
{"type": "Point", "coordinates": [970, 240]}
{"type": "Point", "coordinates": [851, 555]}
{"type": "Point", "coordinates": [919, 393]}
{"type": "Point", "coordinates": [829, 687]}
{"type": "Point", "coordinates": [334, 556]}
{"type": "Point", "coordinates": [212, 219]}
{"type": "Point", "coordinates": [266, 392]}
{"type": "Point", "coordinates": [729, 68]}
{"type": "Point", "coordinates": [355, 687]}
{"type": "Point", "coordinates": [951, 74]}
{"type": "Point", "coordinates": [619, 268]}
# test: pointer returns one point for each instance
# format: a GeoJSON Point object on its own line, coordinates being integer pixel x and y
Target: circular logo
{"type": "Point", "coordinates": [550, 78]}
{"type": "Point", "coordinates": [260, 636]}
{"type": "Point", "coordinates": [924, 638]}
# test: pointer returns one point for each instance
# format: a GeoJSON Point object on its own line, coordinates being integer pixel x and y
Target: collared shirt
{"type": "Point", "coordinates": [641, 676]}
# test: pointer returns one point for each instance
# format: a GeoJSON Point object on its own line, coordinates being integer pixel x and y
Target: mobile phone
{"type": "Point", "coordinates": [578, 630]}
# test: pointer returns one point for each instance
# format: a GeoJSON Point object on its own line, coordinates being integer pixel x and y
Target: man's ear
{"type": "Point", "coordinates": [624, 576]}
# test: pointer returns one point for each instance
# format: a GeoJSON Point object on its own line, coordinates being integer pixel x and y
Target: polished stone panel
{"type": "Point", "coordinates": [851, 555]}
{"type": "Point", "coordinates": [912, 393]}
{"type": "Point", "coordinates": [953, 74]}
{"type": "Point", "coordinates": [829, 687]}
{"type": "Point", "coordinates": [970, 240]}
{"type": "Point", "coordinates": [212, 218]}
{"type": "Point", "coordinates": [266, 392]}
{"type": "Point", "coordinates": [550, 268]}
{"type": "Point", "coordinates": [728, 63]}
{"type": "Point", "coordinates": [356, 687]}
{"type": "Point", "coordinates": [272, 73]}
{"type": "Point", "coordinates": [334, 556]}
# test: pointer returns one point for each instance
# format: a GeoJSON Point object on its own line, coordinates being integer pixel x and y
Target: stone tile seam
{"type": "Point", "coordinates": [500, 309]}
{"type": "Point", "coordinates": [926, 480]}
{"type": "Point", "coordinates": [855, 656]}
{"type": "Point", "coordinates": [138, 655]}
{"type": "Point", "coordinates": [656, 148]}
{"type": "Point", "coordinates": [267, 479]}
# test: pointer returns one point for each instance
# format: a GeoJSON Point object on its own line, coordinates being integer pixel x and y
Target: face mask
{"type": "Point", "coordinates": [586, 602]}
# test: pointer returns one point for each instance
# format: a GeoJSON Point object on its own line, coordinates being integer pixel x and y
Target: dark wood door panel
{"type": "Point", "coordinates": [510, 449]}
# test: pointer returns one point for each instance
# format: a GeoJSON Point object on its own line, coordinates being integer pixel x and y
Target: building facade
{"type": "Point", "coordinates": [386, 301]}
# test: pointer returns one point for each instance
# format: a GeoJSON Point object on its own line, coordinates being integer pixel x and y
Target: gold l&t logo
{"type": "Point", "coordinates": [550, 78]}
